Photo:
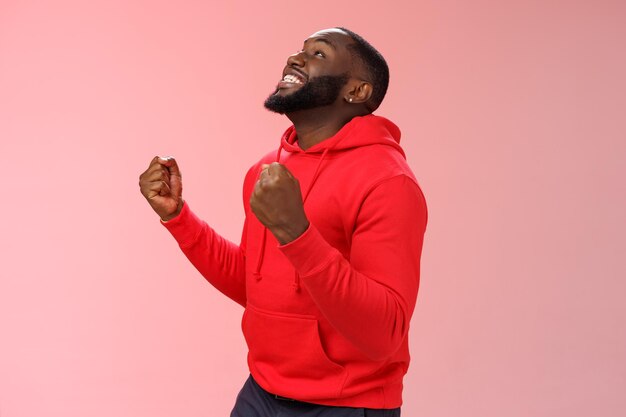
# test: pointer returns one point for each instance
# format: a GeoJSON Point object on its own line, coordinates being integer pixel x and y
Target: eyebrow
{"type": "Point", "coordinates": [323, 40]}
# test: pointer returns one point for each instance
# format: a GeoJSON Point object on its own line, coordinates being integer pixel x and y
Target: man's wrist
{"type": "Point", "coordinates": [290, 232]}
{"type": "Point", "coordinates": [169, 217]}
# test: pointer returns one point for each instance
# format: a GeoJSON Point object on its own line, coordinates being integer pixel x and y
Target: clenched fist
{"type": "Point", "coordinates": [277, 202]}
{"type": "Point", "coordinates": [162, 186]}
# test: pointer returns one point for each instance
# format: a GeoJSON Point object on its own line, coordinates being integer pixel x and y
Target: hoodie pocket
{"type": "Point", "coordinates": [287, 357]}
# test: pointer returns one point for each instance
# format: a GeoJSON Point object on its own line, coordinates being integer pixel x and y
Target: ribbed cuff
{"type": "Point", "coordinates": [185, 227]}
{"type": "Point", "coordinates": [310, 252]}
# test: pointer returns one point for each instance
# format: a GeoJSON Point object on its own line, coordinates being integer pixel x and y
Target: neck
{"type": "Point", "coordinates": [315, 126]}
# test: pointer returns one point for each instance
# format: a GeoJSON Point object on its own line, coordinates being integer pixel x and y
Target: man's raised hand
{"type": "Point", "coordinates": [161, 184]}
{"type": "Point", "coordinates": [277, 202]}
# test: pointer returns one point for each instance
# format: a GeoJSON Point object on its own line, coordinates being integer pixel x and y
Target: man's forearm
{"type": "Point", "coordinates": [220, 261]}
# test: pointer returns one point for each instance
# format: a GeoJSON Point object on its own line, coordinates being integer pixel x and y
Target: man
{"type": "Point", "coordinates": [328, 265]}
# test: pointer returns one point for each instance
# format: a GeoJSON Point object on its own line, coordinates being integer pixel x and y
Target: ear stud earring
{"type": "Point", "coordinates": [350, 99]}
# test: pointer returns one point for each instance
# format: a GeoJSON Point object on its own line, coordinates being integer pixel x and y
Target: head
{"type": "Point", "coordinates": [336, 70]}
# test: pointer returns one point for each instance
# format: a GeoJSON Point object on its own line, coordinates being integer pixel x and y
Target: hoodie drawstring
{"type": "Point", "coordinates": [315, 175]}
{"type": "Point", "coordinates": [257, 272]}
{"type": "Point", "coordinates": [296, 281]}
{"type": "Point", "coordinates": [259, 263]}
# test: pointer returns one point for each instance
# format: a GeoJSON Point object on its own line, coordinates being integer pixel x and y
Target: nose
{"type": "Point", "coordinates": [297, 59]}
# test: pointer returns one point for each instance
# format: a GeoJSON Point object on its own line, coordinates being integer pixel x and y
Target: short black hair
{"type": "Point", "coordinates": [374, 64]}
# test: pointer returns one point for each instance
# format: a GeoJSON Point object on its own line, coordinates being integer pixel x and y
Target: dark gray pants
{"type": "Point", "coordinates": [254, 401]}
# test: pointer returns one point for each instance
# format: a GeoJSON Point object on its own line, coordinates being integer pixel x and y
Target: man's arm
{"type": "Point", "coordinates": [369, 299]}
{"type": "Point", "coordinates": [221, 262]}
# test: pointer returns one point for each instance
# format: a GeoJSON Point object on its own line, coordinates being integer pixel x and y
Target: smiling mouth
{"type": "Point", "coordinates": [291, 80]}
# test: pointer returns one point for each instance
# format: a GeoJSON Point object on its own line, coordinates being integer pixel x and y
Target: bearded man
{"type": "Point", "coordinates": [328, 265]}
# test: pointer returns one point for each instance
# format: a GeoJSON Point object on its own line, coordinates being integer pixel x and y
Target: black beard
{"type": "Point", "coordinates": [317, 92]}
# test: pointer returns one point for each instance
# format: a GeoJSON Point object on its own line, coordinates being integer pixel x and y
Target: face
{"type": "Point", "coordinates": [316, 75]}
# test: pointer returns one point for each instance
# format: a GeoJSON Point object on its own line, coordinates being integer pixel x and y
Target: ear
{"type": "Point", "coordinates": [359, 92]}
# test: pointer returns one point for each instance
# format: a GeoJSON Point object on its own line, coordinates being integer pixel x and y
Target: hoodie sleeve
{"type": "Point", "coordinates": [220, 261]}
{"type": "Point", "coordinates": [370, 298]}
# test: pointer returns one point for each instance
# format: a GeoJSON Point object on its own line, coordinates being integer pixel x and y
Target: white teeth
{"type": "Point", "coordinates": [292, 79]}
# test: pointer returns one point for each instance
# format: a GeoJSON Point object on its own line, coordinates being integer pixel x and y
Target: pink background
{"type": "Point", "coordinates": [513, 120]}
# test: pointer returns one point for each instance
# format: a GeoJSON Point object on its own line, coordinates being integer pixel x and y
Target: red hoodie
{"type": "Point", "coordinates": [327, 315]}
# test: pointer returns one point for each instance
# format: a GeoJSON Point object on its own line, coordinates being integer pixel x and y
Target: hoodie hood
{"type": "Point", "coordinates": [360, 131]}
